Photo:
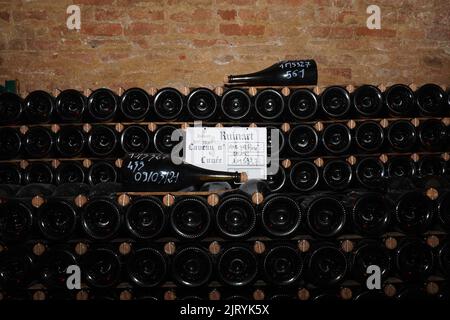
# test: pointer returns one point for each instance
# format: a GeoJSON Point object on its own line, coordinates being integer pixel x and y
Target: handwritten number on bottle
{"type": "Point", "coordinates": [300, 73]}
{"type": "Point", "coordinates": [157, 177]}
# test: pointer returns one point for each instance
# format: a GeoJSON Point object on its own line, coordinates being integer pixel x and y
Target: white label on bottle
{"type": "Point", "coordinates": [229, 149]}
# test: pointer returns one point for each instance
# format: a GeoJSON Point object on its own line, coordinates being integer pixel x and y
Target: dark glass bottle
{"type": "Point", "coordinates": [370, 172]}
{"type": "Point", "coordinates": [102, 105]}
{"type": "Point", "coordinates": [372, 214]}
{"type": "Point", "coordinates": [235, 216]}
{"type": "Point", "coordinates": [370, 252]}
{"type": "Point", "coordinates": [337, 174]}
{"type": "Point", "coordinates": [303, 140]}
{"type": "Point", "coordinates": [433, 135]}
{"type": "Point", "coordinates": [134, 139]}
{"type": "Point", "coordinates": [38, 107]}
{"type": "Point", "coordinates": [38, 142]}
{"type": "Point", "coordinates": [168, 104]}
{"type": "Point", "coordinates": [269, 104]}
{"type": "Point", "coordinates": [402, 135]}
{"type": "Point", "coordinates": [235, 104]}
{"type": "Point", "coordinates": [280, 215]}
{"type": "Point", "coordinates": [202, 104]}
{"type": "Point", "coordinates": [304, 176]}
{"type": "Point", "coordinates": [16, 220]}
{"type": "Point", "coordinates": [288, 72]}
{"type": "Point", "coordinates": [444, 259]}
{"type": "Point", "coordinates": [70, 141]}
{"type": "Point", "coordinates": [10, 174]}
{"type": "Point", "coordinates": [237, 266]}
{"type": "Point", "coordinates": [369, 136]}
{"type": "Point", "coordinates": [327, 266]}
{"type": "Point", "coordinates": [102, 140]}
{"type": "Point", "coordinates": [431, 166]}
{"type": "Point", "coordinates": [101, 267]}
{"type": "Point", "coordinates": [335, 102]}
{"type": "Point", "coordinates": [38, 172]}
{"type": "Point", "coordinates": [11, 107]}
{"type": "Point", "coordinates": [190, 217]}
{"type": "Point", "coordinates": [430, 99]}
{"type": "Point", "coordinates": [135, 104]}
{"type": "Point", "coordinates": [326, 216]}
{"type": "Point", "coordinates": [400, 101]}
{"type": "Point", "coordinates": [157, 172]}
{"type": "Point", "coordinates": [70, 106]}
{"type": "Point", "coordinates": [16, 269]}
{"type": "Point", "coordinates": [276, 182]}
{"type": "Point", "coordinates": [147, 267]}
{"type": "Point", "coordinates": [162, 139]}
{"type": "Point", "coordinates": [337, 138]}
{"type": "Point", "coordinates": [69, 172]}
{"type": "Point", "coordinates": [101, 172]}
{"type": "Point", "coordinates": [145, 218]}
{"type": "Point", "coordinates": [191, 267]}
{"type": "Point", "coordinates": [100, 218]}
{"type": "Point", "coordinates": [283, 265]}
{"type": "Point", "coordinates": [57, 219]}
{"type": "Point", "coordinates": [414, 260]}
{"type": "Point", "coordinates": [413, 212]}
{"type": "Point", "coordinates": [443, 210]}
{"type": "Point", "coordinates": [303, 104]}
{"type": "Point", "coordinates": [52, 267]}
{"type": "Point", "coordinates": [368, 101]}
{"type": "Point", "coordinates": [400, 167]}
{"type": "Point", "coordinates": [10, 143]}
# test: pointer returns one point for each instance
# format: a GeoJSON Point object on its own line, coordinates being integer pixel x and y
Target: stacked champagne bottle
{"type": "Point", "coordinates": [364, 179]}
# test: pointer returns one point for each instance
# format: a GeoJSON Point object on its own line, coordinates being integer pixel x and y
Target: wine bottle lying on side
{"type": "Point", "coordinates": [283, 73]}
{"type": "Point", "coordinates": [157, 172]}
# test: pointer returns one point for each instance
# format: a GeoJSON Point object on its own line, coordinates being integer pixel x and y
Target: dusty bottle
{"type": "Point", "coordinates": [291, 72]}
{"type": "Point", "coordinates": [156, 172]}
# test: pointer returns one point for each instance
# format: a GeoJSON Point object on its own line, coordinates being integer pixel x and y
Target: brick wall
{"type": "Point", "coordinates": [196, 42]}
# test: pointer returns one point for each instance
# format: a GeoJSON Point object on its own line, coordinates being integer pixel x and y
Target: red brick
{"type": "Point", "coordinates": [107, 14]}
{"type": "Point", "coordinates": [287, 2]}
{"type": "Point", "coordinates": [241, 30]}
{"type": "Point", "coordinates": [201, 14]}
{"type": "Point", "coordinates": [319, 32]}
{"type": "Point", "coordinates": [196, 29]}
{"type": "Point", "coordinates": [141, 13]}
{"type": "Point", "coordinates": [41, 44]}
{"type": "Point", "coordinates": [383, 32]}
{"type": "Point", "coordinates": [32, 14]}
{"type": "Point", "coordinates": [143, 28]}
{"type": "Point", "coordinates": [437, 33]}
{"type": "Point", "coordinates": [102, 29]}
{"type": "Point", "coordinates": [94, 2]}
{"type": "Point", "coordinates": [237, 2]}
{"type": "Point", "coordinates": [345, 73]}
{"type": "Point", "coordinates": [341, 33]}
{"type": "Point", "coordinates": [252, 14]}
{"type": "Point", "coordinates": [227, 14]}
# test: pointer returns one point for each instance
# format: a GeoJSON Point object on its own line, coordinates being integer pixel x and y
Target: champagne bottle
{"type": "Point", "coordinates": [327, 266]}
{"type": "Point", "coordinates": [135, 104]}
{"type": "Point", "coordinates": [69, 172]}
{"type": "Point", "coordinates": [10, 174]}
{"type": "Point", "coordinates": [57, 219]}
{"type": "Point", "coordinates": [303, 104]}
{"type": "Point", "coordinates": [431, 166]}
{"type": "Point", "coordinates": [70, 106]}
{"type": "Point", "coordinates": [202, 104]}
{"type": "Point", "coordinates": [276, 181]}
{"type": "Point", "coordinates": [134, 139]}
{"type": "Point", "coordinates": [237, 266]}
{"type": "Point", "coordinates": [235, 104]}
{"type": "Point", "coordinates": [400, 167]}
{"type": "Point", "coordinates": [283, 265]}
{"type": "Point", "coordinates": [53, 265]}
{"type": "Point", "coordinates": [443, 209]}
{"type": "Point", "coordinates": [16, 269]}
{"type": "Point", "coordinates": [147, 267]}
{"type": "Point", "coordinates": [168, 104]}
{"type": "Point", "coordinates": [101, 218]}
{"type": "Point", "coordinates": [289, 72]}
{"type": "Point", "coordinates": [191, 267]}
{"type": "Point", "coordinates": [444, 258]}
{"type": "Point", "coordinates": [402, 135]}
{"type": "Point", "coordinates": [400, 100]}
{"type": "Point", "coordinates": [337, 138]}
{"type": "Point", "coordinates": [70, 141]}
{"type": "Point", "coordinates": [372, 214]}
{"type": "Point", "coordinates": [156, 172]}
{"type": "Point", "coordinates": [162, 139]}
{"type": "Point", "coordinates": [337, 174]}
{"type": "Point", "coordinates": [413, 212]}
{"type": "Point", "coordinates": [10, 143]}
{"type": "Point", "coordinates": [38, 142]}
{"type": "Point", "coordinates": [145, 218]}
{"type": "Point", "coordinates": [433, 135]}
{"type": "Point", "coordinates": [430, 100]}
{"type": "Point", "coordinates": [414, 259]}
{"type": "Point", "coordinates": [102, 105]}
{"type": "Point", "coordinates": [102, 141]}
{"type": "Point", "coordinates": [369, 136]}
{"type": "Point", "coordinates": [269, 104]}
{"type": "Point", "coordinates": [16, 220]}
{"type": "Point", "coordinates": [102, 172]}
{"type": "Point", "coordinates": [335, 102]}
{"type": "Point", "coordinates": [371, 252]}
{"type": "Point", "coordinates": [304, 176]}
{"type": "Point", "coordinates": [370, 172]}
{"type": "Point", "coordinates": [11, 108]}
{"type": "Point", "coordinates": [326, 216]}
{"type": "Point", "coordinates": [190, 217]}
{"type": "Point", "coordinates": [280, 215]}
{"type": "Point", "coordinates": [303, 140]}
{"type": "Point", "coordinates": [38, 107]}
{"type": "Point", "coordinates": [101, 267]}
{"type": "Point", "coordinates": [38, 172]}
{"type": "Point", "coordinates": [368, 101]}
{"type": "Point", "coordinates": [235, 216]}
